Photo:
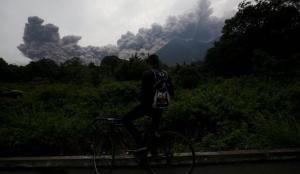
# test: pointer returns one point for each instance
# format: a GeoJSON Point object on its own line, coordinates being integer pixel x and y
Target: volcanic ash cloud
{"type": "Point", "coordinates": [43, 41]}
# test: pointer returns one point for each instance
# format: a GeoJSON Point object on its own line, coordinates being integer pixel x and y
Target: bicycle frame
{"type": "Point", "coordinates": [167, 145]}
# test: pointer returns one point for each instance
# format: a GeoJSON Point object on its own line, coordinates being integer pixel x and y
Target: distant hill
{"type": "Point", "coordinates": [183, 51]}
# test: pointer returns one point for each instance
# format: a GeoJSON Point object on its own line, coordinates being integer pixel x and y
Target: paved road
{"type": "Point", "coordinates": [287, 167]}
{"type": "Point", "coordinates": [234, 162]}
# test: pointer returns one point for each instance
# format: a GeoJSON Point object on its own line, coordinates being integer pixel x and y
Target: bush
{"type": "Point", "coordinates": [227, 114]}
{"type": "Point", "coordinates": [58, 115]}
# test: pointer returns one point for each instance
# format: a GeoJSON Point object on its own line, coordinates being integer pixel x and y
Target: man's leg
{"type": "Point", "coordinates": [137, 112]}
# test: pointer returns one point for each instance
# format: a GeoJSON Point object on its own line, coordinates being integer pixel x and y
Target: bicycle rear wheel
{"type": "Point", "coordinates": [172, 152]}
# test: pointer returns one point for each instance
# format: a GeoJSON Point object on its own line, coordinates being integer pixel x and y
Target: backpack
{"type": "Point", "coordinates": [160, 89]}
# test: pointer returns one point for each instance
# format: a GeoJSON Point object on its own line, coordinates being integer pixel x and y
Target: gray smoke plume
{"type": "Point", "coordinates": [43, 41]}
{"type": "Point", "coordinates": [198, 25]}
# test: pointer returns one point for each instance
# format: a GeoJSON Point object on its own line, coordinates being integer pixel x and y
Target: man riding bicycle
{"type": "Point", "coordinates": [156, 90]}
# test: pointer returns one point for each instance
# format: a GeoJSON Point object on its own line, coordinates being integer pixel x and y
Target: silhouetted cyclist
{"type": "Point", "coordinates": [156, 90]}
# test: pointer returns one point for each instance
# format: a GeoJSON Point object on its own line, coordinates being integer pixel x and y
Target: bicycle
{"type": "Point", "coordinates": [163, 149]}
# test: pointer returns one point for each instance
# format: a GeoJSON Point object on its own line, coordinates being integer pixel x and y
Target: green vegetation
{"type": "Point", "coordinates": [51, 118]}
{"type": "Point", "coordinates": [246, 95]}
{"type": "Point", "coordinates": [219, 114]}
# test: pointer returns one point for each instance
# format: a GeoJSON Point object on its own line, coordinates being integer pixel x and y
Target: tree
{"type": "Point", "coordinates": [10, 73]}
{"type": "Point", "coordinates": [44, 69]}
{"type": "Point", "coordinates": [95, 74]}
{"type": "Point", "coordinates": [3, 70]}
{"type": "Point", "coordinates": [109, 64]}
{"type": "Point", "coordinates": [131, 69]}
{"type": "Point", "coordinates": [74, 70]}
{"type": "Point", "coordinates": [187, 76]}
{"type": "Point", "coordinates": [260, 38]}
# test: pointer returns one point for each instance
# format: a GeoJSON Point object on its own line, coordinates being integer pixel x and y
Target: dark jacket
{"type": "Point", "coordinates": [147, 92]}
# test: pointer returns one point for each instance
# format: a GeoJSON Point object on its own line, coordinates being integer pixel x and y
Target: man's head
{"type": "Point", "coordinates": [153, 60]}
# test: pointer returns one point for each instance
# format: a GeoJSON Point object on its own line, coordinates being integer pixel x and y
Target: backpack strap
{"type": "Point", "coordinates": [154, 74]}
{"type": "Point", "coordinates": [163, 71]}
{"type": "Point", "coordinates": [166, 74]}
{"type": "Point", "coordinates": [157, 80]}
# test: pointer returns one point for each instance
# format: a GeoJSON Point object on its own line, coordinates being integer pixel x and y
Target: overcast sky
{"type": "Point", "coordinates": [99, 22]}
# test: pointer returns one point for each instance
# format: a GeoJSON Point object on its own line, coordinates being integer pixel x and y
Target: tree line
{"type": "Point", "coordinates": [260, 39]}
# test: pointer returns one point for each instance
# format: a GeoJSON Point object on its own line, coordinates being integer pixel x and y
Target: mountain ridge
{"type": "Point", "coordinates": [179, 51]}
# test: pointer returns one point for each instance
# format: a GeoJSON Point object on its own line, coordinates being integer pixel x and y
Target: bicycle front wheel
{"type": "Point", "coordinates": [103, 155]}
{"type": "Point", "coordinates": [171, 152]}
